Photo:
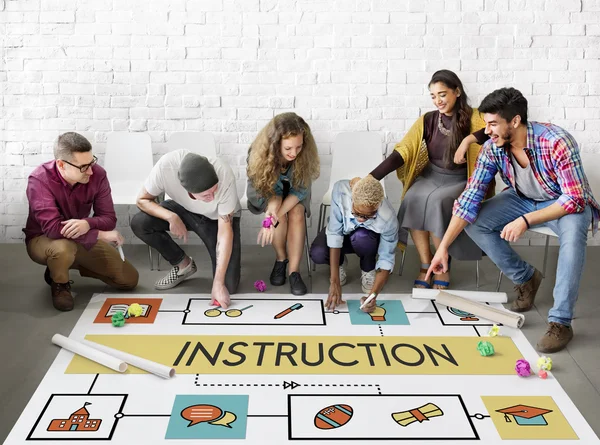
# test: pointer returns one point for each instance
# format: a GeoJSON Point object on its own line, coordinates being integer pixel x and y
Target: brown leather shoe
{"type": "Point", "coordinates": [62, 299]}
{"type": "Point", "coordinates": [526, 293]}
{"type": "Point", "coordinates": [556, 338]}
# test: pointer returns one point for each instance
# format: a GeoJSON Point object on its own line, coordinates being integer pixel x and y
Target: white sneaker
{"type": "Point", "coordinates": [367, 279]}
{"type": "Point", "coordinates": [176, 276]}
{"type": "Point", "coordinates": [343, 278]}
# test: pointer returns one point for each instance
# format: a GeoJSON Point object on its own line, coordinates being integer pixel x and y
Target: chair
{"type": "Point", "coordinates": [593, 176]}
{"type": "Point", "coordinates": [202, 143]}
{"type": "Point", "coordinates": [128, 162]}
{"type": "Point", "coordinates": [199, 142]}
{"type": "Point", "coordinates": [353, 154]}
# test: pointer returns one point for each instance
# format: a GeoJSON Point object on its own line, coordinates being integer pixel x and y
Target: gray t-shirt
{"type": "Point", "coordinates": [527, 183]}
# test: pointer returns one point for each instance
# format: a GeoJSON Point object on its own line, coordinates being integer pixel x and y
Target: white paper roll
{"type": "Point", "coordinates": [484, 297]}
{"type": "Point", "coordinates": [89, 353]}
{"type": "Point", "coordinates": [507, 318]}
{"type": "Point", "coordinates": [147, 365]}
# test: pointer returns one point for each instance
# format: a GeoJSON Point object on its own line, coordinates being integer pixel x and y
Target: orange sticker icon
{"type": "Point", "coordinates": [208, 413]}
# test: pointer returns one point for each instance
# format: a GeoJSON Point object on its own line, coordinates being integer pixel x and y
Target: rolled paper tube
{"type": "Point", "coordinates": [90, 353]}
{"type": "Point", "coordinates": [507, 318]}
{"type": "Point", "coordinates": [147, 365]}
{"type": "Point", "coordinates": [484, 297]}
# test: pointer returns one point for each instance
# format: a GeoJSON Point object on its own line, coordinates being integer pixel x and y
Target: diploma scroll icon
{"type": "Point", "coordinates": [288, 311]}
{"type": "Point", "coordinates": [421, 414]}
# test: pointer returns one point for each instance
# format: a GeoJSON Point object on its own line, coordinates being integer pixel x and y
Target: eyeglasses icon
{"type": "Point", "coordinates": [233, 313]}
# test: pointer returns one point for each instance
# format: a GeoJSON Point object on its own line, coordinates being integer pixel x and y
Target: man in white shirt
{"type": "Point", "coordinates": [203, 198]}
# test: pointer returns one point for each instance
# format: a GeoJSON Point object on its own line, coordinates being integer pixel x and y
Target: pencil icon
{"type": "Point", "coordinates": [288, 310]}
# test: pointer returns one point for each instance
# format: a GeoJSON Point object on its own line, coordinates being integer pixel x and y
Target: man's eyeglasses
{"type": "Point", "coordinates": [83, 168]}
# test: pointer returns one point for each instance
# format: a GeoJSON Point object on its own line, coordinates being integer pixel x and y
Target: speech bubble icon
{"type": "Point", "coordinates": [201, 413]}
{"type": "Point", "coordinates": [226, 420]}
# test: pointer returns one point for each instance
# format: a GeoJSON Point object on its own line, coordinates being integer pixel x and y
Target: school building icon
{"type": "Point", "coordinates": [78, 421]}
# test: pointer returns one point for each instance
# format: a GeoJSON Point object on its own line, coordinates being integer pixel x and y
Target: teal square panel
{"type": "Point", "coordinates": [208, 417]}
{"type": "Point", "coordinates": [387, 312]}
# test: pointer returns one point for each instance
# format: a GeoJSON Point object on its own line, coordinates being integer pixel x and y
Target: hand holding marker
{"type": "Point", "coordinates": [368, 300]}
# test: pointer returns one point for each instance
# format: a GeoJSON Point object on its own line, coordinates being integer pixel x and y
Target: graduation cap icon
{"type": "Point", "coordinates": [525, 415]}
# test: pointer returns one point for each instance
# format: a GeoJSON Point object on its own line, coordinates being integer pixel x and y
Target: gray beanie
{"type": "Point", "coordinates": [196, 173]}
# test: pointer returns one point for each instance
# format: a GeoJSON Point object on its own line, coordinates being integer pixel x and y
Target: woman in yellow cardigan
{"type": "Point", "coordinates": [425, 163]}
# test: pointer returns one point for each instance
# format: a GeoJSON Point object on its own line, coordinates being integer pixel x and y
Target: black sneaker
{"type": "Point", "coordinates": [279, 273]}
{"type": "Point", "coordinates": [297, 286]}
{"type": "Point", "coordinates": [47, 278]}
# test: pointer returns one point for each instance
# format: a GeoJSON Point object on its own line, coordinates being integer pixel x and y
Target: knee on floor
{"type": "Point", "coordinates": [127, 278]}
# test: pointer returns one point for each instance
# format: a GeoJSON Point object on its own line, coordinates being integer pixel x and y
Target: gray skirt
{"type": "Point", "coordinates": [428, 204]}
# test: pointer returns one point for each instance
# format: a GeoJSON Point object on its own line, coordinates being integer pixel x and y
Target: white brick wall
{"type": "Point", "coordinates": [227, 66]}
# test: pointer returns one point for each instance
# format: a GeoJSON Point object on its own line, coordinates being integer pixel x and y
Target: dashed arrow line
{"type": "Point", "coordinates": [290, 385]}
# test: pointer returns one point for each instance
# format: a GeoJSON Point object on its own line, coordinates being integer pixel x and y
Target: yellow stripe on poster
{"type": "Point", "coordinates": [236, 354]}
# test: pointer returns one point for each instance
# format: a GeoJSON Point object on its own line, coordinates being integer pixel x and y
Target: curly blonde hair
{"type": "Point", "coordinates": [367, 192]}
{"type": "Point", "coordinates": [265, 160]}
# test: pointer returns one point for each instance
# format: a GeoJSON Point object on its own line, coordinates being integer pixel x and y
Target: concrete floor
{"type": "Point", "coordinates": [28, 320]}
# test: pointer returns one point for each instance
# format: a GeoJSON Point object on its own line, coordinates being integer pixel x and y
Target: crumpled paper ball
{"type": "Point", "coordinates": [485, 348]}
{"type": "Point", "coordinates": [544, 363]}
{"type": "Point", "coordinates": [494, 331]}
{"type": "Point", "coordinates": [267, 222]}
{"type": "Point", "coordinates": [135, 310]}
{"type": "Point", "coordinates": [118, 320]}
{"type": "Point", "coordinates": [523, 368]}
{"type": "Point", "coordinates": [260, 285]}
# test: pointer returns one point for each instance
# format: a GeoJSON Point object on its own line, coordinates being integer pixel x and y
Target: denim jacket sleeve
{"type": "Point", "coordinates": [335, 226]}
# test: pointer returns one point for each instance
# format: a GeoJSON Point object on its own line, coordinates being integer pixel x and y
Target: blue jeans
{"type": "Point", "coordinates": [572, 232]}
